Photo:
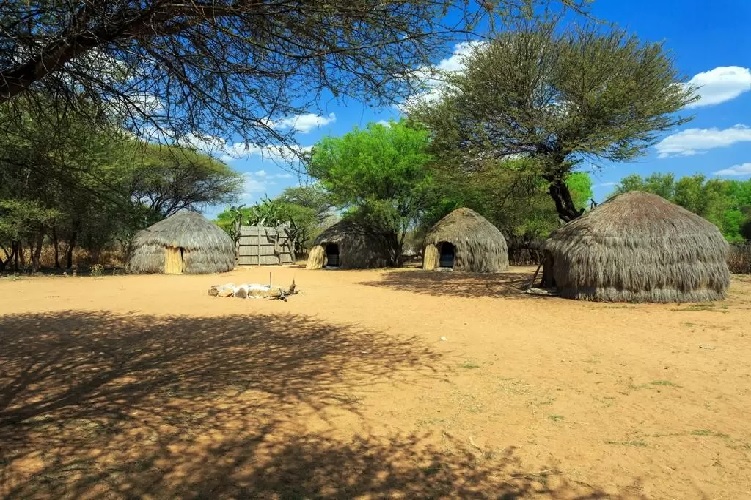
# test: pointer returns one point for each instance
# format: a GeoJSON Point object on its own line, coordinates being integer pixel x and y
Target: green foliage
{"type": "Point", "coordinates": [379, 172]}
{"type": "Point", "coordinates": [557, 97]}
{"type": "Point", "coordinates": [580, 185]}
{"type": "Point", "coordinates": [725, 203]}
{"type": "Point", "coordinates": [64, 178]}
{"type": "Point", "coordinates": [507, 193]}
{"type": "Point", "coordinates": [171, 178]}
{"type": "Point", "coordinates": [226, 67]}
{"type": "Point", "coordinates": [302, 209]}
{"type": "Point", "coordinates": [21, 218]}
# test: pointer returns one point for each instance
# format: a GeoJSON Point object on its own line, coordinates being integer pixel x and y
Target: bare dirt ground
{"type": "Point", "coordinates": [144, 386]}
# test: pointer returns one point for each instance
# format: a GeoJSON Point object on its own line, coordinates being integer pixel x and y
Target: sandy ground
{"type": "Point", "coordinates": [368, 384]}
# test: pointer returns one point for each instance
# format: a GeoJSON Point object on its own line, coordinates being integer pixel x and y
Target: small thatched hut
{"type": "Point", "coordinates": [465, 241]}
{"type": "Point", "coordinates": [349, 245]}
{"type": "Point", "coordinates": [638, 247]}
{"type": "Point", "coordinates": [184, 243]}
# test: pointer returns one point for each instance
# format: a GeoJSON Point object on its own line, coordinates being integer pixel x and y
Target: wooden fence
{"type": "Point", "coordinates": [265, 246]}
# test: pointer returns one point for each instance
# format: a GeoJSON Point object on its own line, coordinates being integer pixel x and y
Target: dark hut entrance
{"type": "Point", "coordinates": [174, 260]}
{"type": "Point", "coordinates": [332, 255]}
{"type": "Point", "coordinates": [447, 254]}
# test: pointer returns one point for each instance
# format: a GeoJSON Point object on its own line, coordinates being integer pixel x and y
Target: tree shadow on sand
{"type": "Point", "coordinates": [96, 405]}
{"type": "Point", "coordinates": [457, 284]}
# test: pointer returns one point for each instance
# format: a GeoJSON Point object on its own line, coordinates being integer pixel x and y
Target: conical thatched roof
{"type": "Point", "coordinates": [479, 245]}
{"type": "Point", "coordinates": [205, 248]}
{"type": "Point", "coordinates": [359, 246]}
{"type": "Point", "coordinates": [639, 247]}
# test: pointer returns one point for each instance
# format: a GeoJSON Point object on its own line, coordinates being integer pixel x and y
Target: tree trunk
{"type": "Point", "coordinates": [36, 255]}
{"type": "Point", "coordinates": [69, 251]}
{"type": "Point", "coordinates": [21, 254]}
{"type": "Point", "coordinates": [56, 244]}
{"type": "Point", "coordinates": [561, 195]}
{"type": "Point", "coordinates": [15, 245]}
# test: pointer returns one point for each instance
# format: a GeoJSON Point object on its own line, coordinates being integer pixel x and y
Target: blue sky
{"type": "Point", "coordinates": [711, 46]}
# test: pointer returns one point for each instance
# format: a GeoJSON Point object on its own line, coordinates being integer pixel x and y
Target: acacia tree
{"type": "Point", "coordinates": [224, 66]}
{"type": "Point", "coordinates": [67, 179]}
{"type": "Point", "coordinates": [558, 97]}
{"type": "Point", "coordinates": [381, 172]}
{"type": "Point", "coordinates": [167, 179]}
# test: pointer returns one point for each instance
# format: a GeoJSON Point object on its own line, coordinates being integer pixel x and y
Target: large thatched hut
{"type": "Point", "coordinates": [638, 247]}
{"type": "Point", "coordinates": [465, 241]}
{"type": "Point", "coordinates": [184, 243]}
{"type": "Point", "coordinates": [350, 245]}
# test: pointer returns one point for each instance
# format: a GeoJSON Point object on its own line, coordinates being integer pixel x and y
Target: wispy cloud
{"type": "Point", "coordinates": [693, 141]}
{"type": "Point", "coordinates": [303, 123]}
{"type": "Point", "coordinates": [275, 152]}
{"type": "Point", "coordinates": [230, 151]}
{"type": "Point", "coordinates": [431, 78]}
{"type": "Point", "coordinates": [736, 170]}
{"type": "Point", "coordinates": [720, 84]}
{"type": "Point", "coordinates": [259, 182]}
{"type": "Point", "coordinates": [605, 184]}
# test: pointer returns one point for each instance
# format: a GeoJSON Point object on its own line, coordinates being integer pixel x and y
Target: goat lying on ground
{"type": "Point", "coordinates": [252, 291]}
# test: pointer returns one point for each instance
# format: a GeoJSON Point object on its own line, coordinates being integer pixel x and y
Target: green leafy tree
{"type": "Point", "coordinates": [301, 209]}
{"type": "Point", "coordinates": [557, 97]}
{"type": "Point", "coordinates": [167, 179]}
{"type": "Point", "coordinates": [380, 173]}
{"type": "Point", "coordinates": [508, 194]}
{"type": "Point", "coordinates": [725, 203]}
{"type": "Point", "coordinates": [101, 183]}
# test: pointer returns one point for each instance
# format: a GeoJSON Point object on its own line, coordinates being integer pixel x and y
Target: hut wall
{"type": "Point", "coordinates": [265, 246]}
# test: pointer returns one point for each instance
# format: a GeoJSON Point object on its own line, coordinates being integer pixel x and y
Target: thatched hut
{"type": "Point", "coordinates": [349, 245]}
{"type": "Point", "coordinates": [465, 241]}
{"type": "Point", "coordinates": [184, 243]}
{"type": "Point", "coordinates": [638, 247]}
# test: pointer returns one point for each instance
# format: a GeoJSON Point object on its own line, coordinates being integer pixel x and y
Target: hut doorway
{"type": "Point", "coordinates": [174, 262]}
{"type": "Point", "coordinates": [446, 255]}
{"type": "Point", "coordinates": [332, 255]}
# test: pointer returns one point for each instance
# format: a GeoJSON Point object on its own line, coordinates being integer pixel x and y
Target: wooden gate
{"type": "Point", "coordinates": [264, 246]}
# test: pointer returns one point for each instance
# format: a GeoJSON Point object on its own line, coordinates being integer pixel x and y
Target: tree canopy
{"type": "Point", "coordinates": [380, 172]}
{"type": "Point", "coordinates": [63, 178]}
{"type": "Point", "coordinates": [225, 67]}
{"type": "Point", "coordinates": [725, 203]}
{"type": "Point", "coordinates": [303, 209]}
{"type": "Point", "coordinates": [556, 96]}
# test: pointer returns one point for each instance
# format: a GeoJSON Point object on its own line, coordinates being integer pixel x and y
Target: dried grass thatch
{"type": "Point", "coordinates": [201, 246]}
{"type": "Point", "coordinates": [638, 247]}
{"type": "Point", "coordinates": [359, 247]}
{"type": "Point", "coordinates": [478, 245]}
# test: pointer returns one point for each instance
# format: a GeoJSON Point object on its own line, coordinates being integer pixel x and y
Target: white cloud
{"type": "Point", "coordinates": [259, 182]}
{"type": "Point", "coordinates": [741, 169]}
{"type": "Point", "coordinates": [273, 152]}
{"type": "Point", "coordinates": [430, 78]}
{"type": "Point", "coordinates": [226, 151]}
{"type": "Point", "coordinates": [303, 123]}
{"type": "Point", "coordinates": [385, 123]}
{"type": "Point", "coordinates": [206, 143]}
{"type": "Point", "coordinates": [720, 84]}
{"type": "Point", "coordinates": [455, 62]}
{"type": "Point", "coordinates": [693, 141]}
{"type": "Point", "coordinates": [605, 184]}
{"type": "Point", "coordinates": [253, 184]}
